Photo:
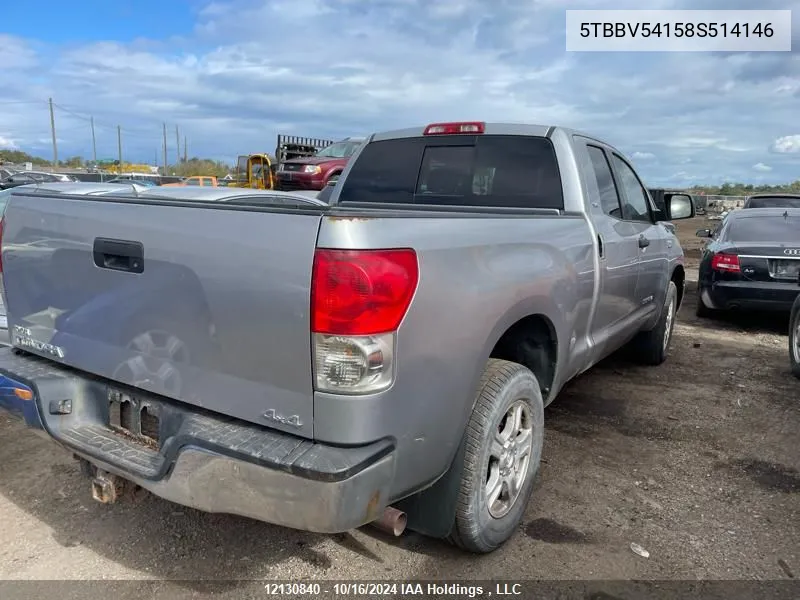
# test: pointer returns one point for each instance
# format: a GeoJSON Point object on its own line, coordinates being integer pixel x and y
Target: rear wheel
{"type": "Point", "coordinates": [794, 339]}
{"type": "Point", "coordinates": [652, 346]}
{"type": "Point", "coordinates": [503, 443]}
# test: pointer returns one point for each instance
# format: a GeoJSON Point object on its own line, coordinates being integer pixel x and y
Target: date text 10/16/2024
{"type": "Point", "coordinates": [372, 589]}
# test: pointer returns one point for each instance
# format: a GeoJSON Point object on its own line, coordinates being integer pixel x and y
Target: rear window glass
{"type": "Point", "coordinates": [773, 201]}
{"type": "Point", "coordinates": [778, 229]}
{"type": "Point", "coordinates": [487, 171]}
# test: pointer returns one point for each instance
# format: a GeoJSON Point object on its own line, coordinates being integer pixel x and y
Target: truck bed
{"type": "Point", "coordinates": [201, 303]}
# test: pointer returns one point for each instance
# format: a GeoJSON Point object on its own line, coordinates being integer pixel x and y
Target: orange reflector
{"type": "Point", "coordinates": [23, 394]}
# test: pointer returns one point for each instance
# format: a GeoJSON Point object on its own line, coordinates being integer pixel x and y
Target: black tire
{"type": "Point", "coordinates": [333, 179]}
{"type": "Point", "coordinates": [701, 310]}
{"type": "Point", "coordinates": [794, 339]}
{"type": "Point", "coordinates": [652, 346]}
{"type": "Point", "coordinates": [504, 385]}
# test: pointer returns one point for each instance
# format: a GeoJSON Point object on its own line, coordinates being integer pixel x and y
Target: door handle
{"type": "Point", "coordinates": [118, 255]}
{"type": "Point", "coordinates": [643, 242]}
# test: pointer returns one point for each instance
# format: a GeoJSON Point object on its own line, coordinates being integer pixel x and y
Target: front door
{"type": "Point", "coordinates": [651, 239]}
{"type": "Point", "coordinates": [619, 256]}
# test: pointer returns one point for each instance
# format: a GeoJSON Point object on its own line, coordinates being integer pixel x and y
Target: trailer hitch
{"type": "Point", "coordinates": [107, 487]}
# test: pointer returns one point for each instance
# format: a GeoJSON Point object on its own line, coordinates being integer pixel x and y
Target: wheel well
{"type": "Point", "coordinates": [679, 278]}
{"type": "Point", "coordinates": [532, 342]}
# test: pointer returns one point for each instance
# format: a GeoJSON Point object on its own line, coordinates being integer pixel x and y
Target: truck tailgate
{"type": "Point", "coordinates": [201, 304]}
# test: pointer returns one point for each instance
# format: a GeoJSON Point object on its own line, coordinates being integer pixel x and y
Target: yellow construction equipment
{"type": "Point", "coordinates": [254, 171]}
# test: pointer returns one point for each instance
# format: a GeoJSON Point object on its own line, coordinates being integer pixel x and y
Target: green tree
{"type": "Point", "coordinates": [19, 157]}
{"type": "Point", "coordinates": [199, 166]}
{"type": "Point", "coordinates": [74, 162]}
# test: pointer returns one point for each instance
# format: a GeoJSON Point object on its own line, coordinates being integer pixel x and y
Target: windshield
{"type": "Point", "coordinates": [774, 201]}
{"type": "Point", "coordinates": [241, 169]}
{"type": "Point", "coordinates": [339, 150]}
{"type": "Point", "coordinates": [778, 229]}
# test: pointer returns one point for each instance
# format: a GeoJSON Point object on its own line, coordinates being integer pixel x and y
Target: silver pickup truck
{"type": "Point", "coordinates": [385, 356]}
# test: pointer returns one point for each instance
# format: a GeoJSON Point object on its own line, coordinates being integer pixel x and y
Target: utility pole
{"type": "Point", "coordinates": [119, 148]}
{"type": "Point", "coordinates": [94, 144]}
{"type": "Point", "coordinates": [177, 145]}
{"type": "Point", "coordinates": [53, 131]}
{"type": "Point", "coordinates": [165, 148]}
{"type": "Point", "coordinates": [185, 157]}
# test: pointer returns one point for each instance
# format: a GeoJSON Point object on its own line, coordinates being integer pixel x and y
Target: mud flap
{"type": "Point", "coordinates": [432, 512]}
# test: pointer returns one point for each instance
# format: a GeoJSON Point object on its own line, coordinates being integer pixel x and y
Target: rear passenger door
{"type": "Point", "coordinates": [618, 250]}
{"type": "Point", "coordinates": [651, 238]}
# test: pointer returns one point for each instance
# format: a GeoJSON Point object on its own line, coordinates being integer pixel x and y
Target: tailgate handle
{"type": "Point", "coordinates": [119, 255]}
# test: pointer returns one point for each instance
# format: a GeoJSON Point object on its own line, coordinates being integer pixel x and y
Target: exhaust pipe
{"type": "Point", "coordinates": [392, 521]}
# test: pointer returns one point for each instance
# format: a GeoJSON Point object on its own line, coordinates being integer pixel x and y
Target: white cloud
{"type": "Point", "coordinates": [16, 53]}
{"type": "Point", "coordinates": [762, 167]}
{"type": "Point", "coordinates": [7, 143]}
{"type": "Point", "coordinates": [333, 68]}
{"type": "Point", "coordinates": [787, 144]}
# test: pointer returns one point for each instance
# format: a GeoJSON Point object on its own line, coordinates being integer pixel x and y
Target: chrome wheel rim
{"type": "Point", "coordinates": [670, 319]}
{"type": "Point", "coordinates": [796, 344]}
{"type": "Point", "coordinates": [509, 459]}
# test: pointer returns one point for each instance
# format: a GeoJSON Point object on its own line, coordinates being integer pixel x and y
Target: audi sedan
{"type": "Point", "coordinates": [752, 261]}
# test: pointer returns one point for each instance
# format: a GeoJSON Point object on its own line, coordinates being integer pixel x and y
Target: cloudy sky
{"type": "Point", "coordinates": [231, 74]}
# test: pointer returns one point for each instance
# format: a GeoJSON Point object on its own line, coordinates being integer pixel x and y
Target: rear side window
{"type": "Point", "coordinates": [609, 198]}
{"type": "Point", "coordinates": [486, 171]}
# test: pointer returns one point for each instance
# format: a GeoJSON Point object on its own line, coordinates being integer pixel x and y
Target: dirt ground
{"type": "Point", "coordinates": [696, 460]}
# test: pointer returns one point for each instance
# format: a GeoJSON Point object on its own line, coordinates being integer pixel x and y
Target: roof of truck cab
{"type": "Point", "coordinates": [491, 129]}
{"type": "Point", "coordinates": [531, 129]}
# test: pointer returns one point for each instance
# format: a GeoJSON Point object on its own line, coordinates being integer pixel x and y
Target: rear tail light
{"type": "Point", "coordinates": [454, 128]}
{"type": "Point", "coordinates": [726, 262]}
{"type": "Point", "coordinates": [358, 300]}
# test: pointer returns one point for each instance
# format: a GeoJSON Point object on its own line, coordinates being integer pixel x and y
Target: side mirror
{"type": "Point", "coordinates": [679, 206]}
{"type": "Point", "coordinates": [703, 233]}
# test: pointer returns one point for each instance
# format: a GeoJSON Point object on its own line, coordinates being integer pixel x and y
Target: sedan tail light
{"type": "Point", "coordinates": [726, 263]}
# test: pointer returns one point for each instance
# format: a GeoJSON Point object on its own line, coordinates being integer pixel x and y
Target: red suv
{"type": "Point", "coordinates": [314, 172]}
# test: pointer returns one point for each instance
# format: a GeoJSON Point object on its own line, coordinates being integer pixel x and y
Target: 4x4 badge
{"type": "Point", "coordinates": [293, 421]}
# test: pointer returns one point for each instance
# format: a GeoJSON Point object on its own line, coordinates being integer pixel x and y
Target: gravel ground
{"type": "Point", "coordinates": [697, 461]}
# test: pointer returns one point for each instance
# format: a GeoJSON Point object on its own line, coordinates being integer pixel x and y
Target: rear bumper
{"type": "Point", "coordinates": [753, 295]}
{"type": "Point", "coordinates": [203, 460]}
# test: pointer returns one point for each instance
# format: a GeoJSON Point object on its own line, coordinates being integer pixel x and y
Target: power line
{"type": "Point", "coordinates": [88, 118]}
